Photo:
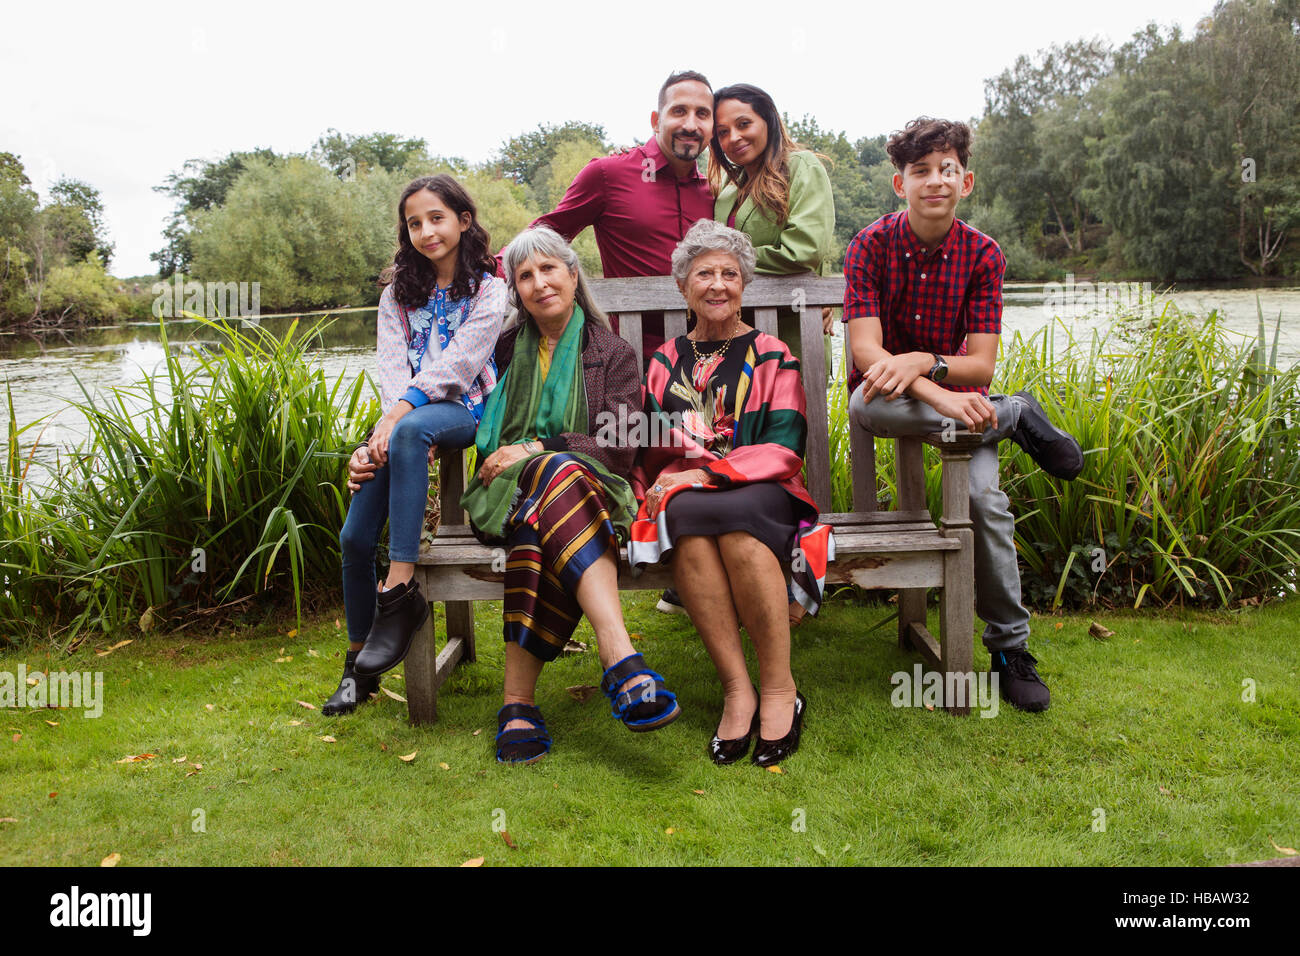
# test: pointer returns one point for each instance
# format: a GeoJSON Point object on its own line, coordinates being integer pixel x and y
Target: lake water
{"type": "Point", "coordinates": [44, 375]}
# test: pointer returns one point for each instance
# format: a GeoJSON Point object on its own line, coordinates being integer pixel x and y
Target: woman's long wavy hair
{"type": "Point", "coordinates": [770, 187]}
{"type": "Point", "coordinates": [412, 275]}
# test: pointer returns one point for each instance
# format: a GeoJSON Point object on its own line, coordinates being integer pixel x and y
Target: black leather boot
{"type": "Point", "coordinates": [399, 613]}
{"type": "Point", "coordinates": [352, 690]}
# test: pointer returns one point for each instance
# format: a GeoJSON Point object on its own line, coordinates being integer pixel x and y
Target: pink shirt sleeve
{"type": "Point", "coordinates": [394, 369]}
{"type": "Point", "coordinates": [582, 205]}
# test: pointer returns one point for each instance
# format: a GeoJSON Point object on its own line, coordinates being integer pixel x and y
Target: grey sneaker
{"type": "Point", "coordinates": [1055, 451]}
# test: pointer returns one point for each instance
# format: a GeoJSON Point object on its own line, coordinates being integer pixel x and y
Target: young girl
{"type": "Point", "coordinates": [439, 319]}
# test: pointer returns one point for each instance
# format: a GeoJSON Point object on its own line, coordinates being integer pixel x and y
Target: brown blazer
{"type": "Point", "coordinates": [613, 382]}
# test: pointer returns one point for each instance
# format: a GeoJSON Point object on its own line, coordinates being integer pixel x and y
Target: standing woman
{"type": "Point", "coordinates": [439, 318]}
{"type": "Point", "coordinates": [771, 189]}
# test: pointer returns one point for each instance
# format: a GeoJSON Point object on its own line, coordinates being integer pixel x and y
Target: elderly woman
{"type": "Point", "coordinates": [723, 492]}
{"type": "Point", "coordinates": [554, 495]}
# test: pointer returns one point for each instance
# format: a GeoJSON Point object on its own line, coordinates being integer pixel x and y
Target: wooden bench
{"type": "Point", "coordinates": [899, 549]}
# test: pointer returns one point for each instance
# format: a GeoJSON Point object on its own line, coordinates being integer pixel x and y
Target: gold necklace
{"type": "Point", "coordinates": [716, 353]}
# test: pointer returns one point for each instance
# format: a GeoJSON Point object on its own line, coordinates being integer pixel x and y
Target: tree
{"type": "Point", "coordinates": [73, 194]}
{"type": "Point", "coordinates": [519, 159]}
{"type": "Point", "coordinates": [200, 185]}
{"type": "Point", "coordinates": [344, 154]}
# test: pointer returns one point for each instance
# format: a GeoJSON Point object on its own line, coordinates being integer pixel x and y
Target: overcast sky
{"type": "Point", "coordinates": [121, 94]}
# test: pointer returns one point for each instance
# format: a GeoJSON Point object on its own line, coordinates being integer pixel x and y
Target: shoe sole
{"type": "Point", "coordinates": [667, 608]}
{"type": "Point", "coordinates": [406, 650]}
{"type": "Point", "coordinates": [663, 721]}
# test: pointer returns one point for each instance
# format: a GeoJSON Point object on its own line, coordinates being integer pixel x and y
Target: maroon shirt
{"type": "Point", "coordinates": [639, 215]}
{"type": "Point", "coordinates": [926, 301]}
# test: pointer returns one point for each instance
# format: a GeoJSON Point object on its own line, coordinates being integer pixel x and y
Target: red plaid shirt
{"type": "Point", "coordinates": [926, 301]}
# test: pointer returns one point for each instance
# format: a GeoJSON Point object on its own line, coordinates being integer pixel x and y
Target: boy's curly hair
{"type": "Point", "coordinates": [923, 136]}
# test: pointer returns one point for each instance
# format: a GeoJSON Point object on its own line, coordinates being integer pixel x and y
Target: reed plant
{"type": "Point", "coordinates": [1190, 492]}
{"type": "Point", "coordinates": [197, 488]}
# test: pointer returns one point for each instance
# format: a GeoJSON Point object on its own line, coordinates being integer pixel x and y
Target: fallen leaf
{"type": "Point", "coordinates": [312, 653]}
{"type": "Point", "coordinates": [477, 861]}
{"type": "Point", "coordinates": [776, 769]}
{"type": "Point", "coordinates": [337, 625]}
{"type": "Point", "coordinates": [929, 706]}
{"type": "Point", "coordinates": [1166, 791]}
{"type": "Point", "coordinates": [295, 723]}
{"type": "Point", "coordinates": [474, 734]}
{"type": "Point", "coordinates": [573, 647]}
{"type": "Point", "coordinates": [383, 746]}
{"type": "Point", "coordinates": [1285, 850]}
{"type": "Point", "coordinates": [8, 819]}
{"type": "Point", "coordinates": [303, 703]}
{"type": "Point", "coordinates": [329, 739]}
{"type": "Point", "coordinates": [18, 737]}
{"type": "Point", "coordinates": [135, 758]}
{"type": "Point", "coordinates": [670, 831]}
{"type": "Point", "coordinates": [146, 621]}
{"type": "Point", "coordinates": [1099, 632]}
{"type": "Point", "coordinates": [505, 835]}
{"type": "Point", "coordinates": [208, 707]}
{"type": "Point", "coordinates": [582, 692]}
{"type": "Point", "coordinates": [637, 637]}
{"type": "Point", "coordinates": [53, 723]}
{"type": "Point", "coordinates": [293, 632]}
{"type": "Point", "coordinates": [179, 760]}
{"type": "Point", "coordinates": [1059, 625]}
{"type": "Point", "coordinates": [284, 660]}
{"type": "Point", "coordinates": [120, 644]}
{"type": "Point", "coordinates": [191, 773]}
{"type": "Point", "coordinates": [280, 651]}
{"type": "Point", "coordinates": [700, 792]}
{"type": "Point", "coordinates": [444, 766]}
{"type": "Point", "coordinates": [197, 766]}
{"type": "Point", "coordinates": [54, 794]}
{"type": "Point", "coordinates": [407, 758]}
{"type": "Point", "coordinates": [32, 682]}
{"type": "Point", "coordinates": [110, 860]}
{"type": "Point", "coordinates": [397, 697]}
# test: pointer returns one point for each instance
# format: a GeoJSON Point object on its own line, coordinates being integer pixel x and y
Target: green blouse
{"type": "Point", "coordinates": [803, 242]}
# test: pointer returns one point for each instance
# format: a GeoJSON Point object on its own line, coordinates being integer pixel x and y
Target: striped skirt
{"type": "Point", "coordinates": [556, 530]}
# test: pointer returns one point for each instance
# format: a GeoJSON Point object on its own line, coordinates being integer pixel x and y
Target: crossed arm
{"type": "Point", "coordinates": [896, 375]}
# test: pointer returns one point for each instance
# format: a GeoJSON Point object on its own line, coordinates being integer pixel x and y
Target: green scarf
{"type": "Point", "coordinates": [523, 406]}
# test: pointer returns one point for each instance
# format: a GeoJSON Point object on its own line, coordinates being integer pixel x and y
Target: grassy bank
{"type": "Point", "coordinates": [1149, 727]}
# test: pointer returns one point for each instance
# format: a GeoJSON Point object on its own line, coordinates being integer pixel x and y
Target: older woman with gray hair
{"type": "Point", "coordinates": [556, 497]}
{"type": "Point", "coordinates": [723, 496]}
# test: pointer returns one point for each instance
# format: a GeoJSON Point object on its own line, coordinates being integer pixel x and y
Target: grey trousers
{"type": "Point", "coordinates": [997, 575]}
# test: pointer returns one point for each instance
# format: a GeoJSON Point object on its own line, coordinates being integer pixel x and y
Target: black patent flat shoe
{"type": "Point", "coordinates": [723, 752]}
{"type": "Point", "coordinates": [769, 753]}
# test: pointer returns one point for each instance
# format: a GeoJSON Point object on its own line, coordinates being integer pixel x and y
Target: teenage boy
{"type": "Point", "coordinates": [923, 306]}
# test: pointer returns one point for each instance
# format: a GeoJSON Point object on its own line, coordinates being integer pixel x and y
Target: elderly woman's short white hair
{"type": "Point", "coordinates": [708, 236]}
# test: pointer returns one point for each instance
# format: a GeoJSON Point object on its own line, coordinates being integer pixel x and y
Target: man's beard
{"type": "Point", "coordinates": [686, 148]}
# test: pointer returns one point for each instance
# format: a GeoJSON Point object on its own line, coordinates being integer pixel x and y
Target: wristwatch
{"type": "Point", "coordinates": [939, 370]}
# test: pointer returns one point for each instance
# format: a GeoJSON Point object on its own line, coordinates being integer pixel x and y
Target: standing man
{"type": "Point", "coordinates": [642, 202]}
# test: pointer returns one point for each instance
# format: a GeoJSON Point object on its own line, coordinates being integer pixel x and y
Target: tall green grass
{"type": "Point", "coordinates": [1190, 492]}
{"type": "Point", "coordinates": [201, 487]}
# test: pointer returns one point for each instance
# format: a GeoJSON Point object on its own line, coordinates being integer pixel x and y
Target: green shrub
{"type": "Point", "coordinates": [1190, 492]}
{"type": "Point", "coordinates": [210, 485]}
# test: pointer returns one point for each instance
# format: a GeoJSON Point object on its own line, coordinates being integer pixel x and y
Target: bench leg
{"type": "Point", "coordinates": [460, 624]}
{"type": "Point", "coordinates": [911, 610]}
{"type": "Point", "coordinates": [422, 675]}
{"type": "Point", "coordinates": [957, 618]}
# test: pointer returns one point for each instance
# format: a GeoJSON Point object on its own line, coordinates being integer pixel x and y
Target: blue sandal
{"type": "Point", "coordinates": [648, 705]}
{"type": "Point", "coordinates": [523, 744]}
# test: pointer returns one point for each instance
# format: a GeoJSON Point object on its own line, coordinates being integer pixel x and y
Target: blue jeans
{"type": "Point", "coordinates": [398, 493]}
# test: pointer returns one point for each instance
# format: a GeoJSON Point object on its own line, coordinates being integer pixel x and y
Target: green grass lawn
{"type": "Point", "coordinates": [1148, 728]}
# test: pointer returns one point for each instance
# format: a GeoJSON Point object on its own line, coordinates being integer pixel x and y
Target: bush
{"type": "Point", "coordinates": [1191, 439]}
{"type": "Point", "coordinates": [211, 485]}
